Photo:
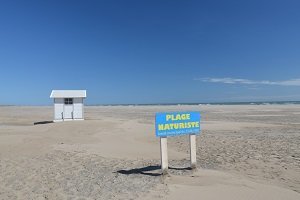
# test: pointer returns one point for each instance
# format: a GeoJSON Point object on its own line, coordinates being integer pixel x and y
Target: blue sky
{"type": "Point", "coordinates": [150, 51]}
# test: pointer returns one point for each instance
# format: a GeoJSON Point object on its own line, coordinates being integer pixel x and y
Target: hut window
{"type": "Point", "coordinates": [68, 101]}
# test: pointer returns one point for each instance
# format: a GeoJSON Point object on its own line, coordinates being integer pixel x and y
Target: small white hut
{"type": "Point", "coordinates": [68, 104]}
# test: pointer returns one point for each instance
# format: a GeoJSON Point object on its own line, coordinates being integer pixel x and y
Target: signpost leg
{"type": "Point", "coordinates": [193, 151]}
{"type": "Point", "coordinates": [164, 155]}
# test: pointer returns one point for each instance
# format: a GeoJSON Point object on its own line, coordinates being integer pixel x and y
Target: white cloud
{"type": "Point", "coordinates": [290, 82]}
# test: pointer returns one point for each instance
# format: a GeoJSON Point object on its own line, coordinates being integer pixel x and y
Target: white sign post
{"type": "Point", "coordinates": [193, 151]}
{"type": "Point", "coordinates": [164, 155]}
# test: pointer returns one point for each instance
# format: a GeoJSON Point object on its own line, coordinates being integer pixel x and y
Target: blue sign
{"type": "Point", "coordinates": [177, 123]}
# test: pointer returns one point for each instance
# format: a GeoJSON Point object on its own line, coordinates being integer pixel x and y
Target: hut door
{"type": "Point", "coordinates": [68, 108]}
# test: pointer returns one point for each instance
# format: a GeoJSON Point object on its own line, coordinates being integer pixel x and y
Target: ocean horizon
{"type": "Point", "coordinates": [179, 104]}
{"type": "Point", "coordinates": [205, 103]}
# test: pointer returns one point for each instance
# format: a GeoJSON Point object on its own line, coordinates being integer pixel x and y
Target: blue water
{"type": "Point", "coordinates": [207, 103]}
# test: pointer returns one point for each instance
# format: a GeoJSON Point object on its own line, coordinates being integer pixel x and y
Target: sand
{"type": "Point", "coordinates": [243, 152]}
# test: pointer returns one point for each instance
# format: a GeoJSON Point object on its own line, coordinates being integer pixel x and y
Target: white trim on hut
{"type": "Point", "coordinates": [68, 104]}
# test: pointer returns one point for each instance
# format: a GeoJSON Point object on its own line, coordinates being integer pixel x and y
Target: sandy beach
{"type": "Point", "coordinates": [243, 152]}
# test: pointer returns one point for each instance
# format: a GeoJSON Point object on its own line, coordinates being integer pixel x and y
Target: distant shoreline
{"type": "Point", "coordinates": [206, 103]}
{"type": "Point", "coordinates": [185, 104]}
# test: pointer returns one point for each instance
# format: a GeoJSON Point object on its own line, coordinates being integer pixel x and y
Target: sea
{"type": "Point", "coordinates": [208, 103]}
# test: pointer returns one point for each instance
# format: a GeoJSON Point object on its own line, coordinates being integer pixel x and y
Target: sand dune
{"type": "Point", "coordinates": [212, 184]}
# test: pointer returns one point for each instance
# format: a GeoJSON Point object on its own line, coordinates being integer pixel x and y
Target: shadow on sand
{"type": "Point", "coordinates": [149, 170]}
{"type": "Point", "coordinates": [144, 170]}
{"type": "Point", "coordinates": [42, 122]}
{"type": "Point", "coordinates": [181, 168]}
